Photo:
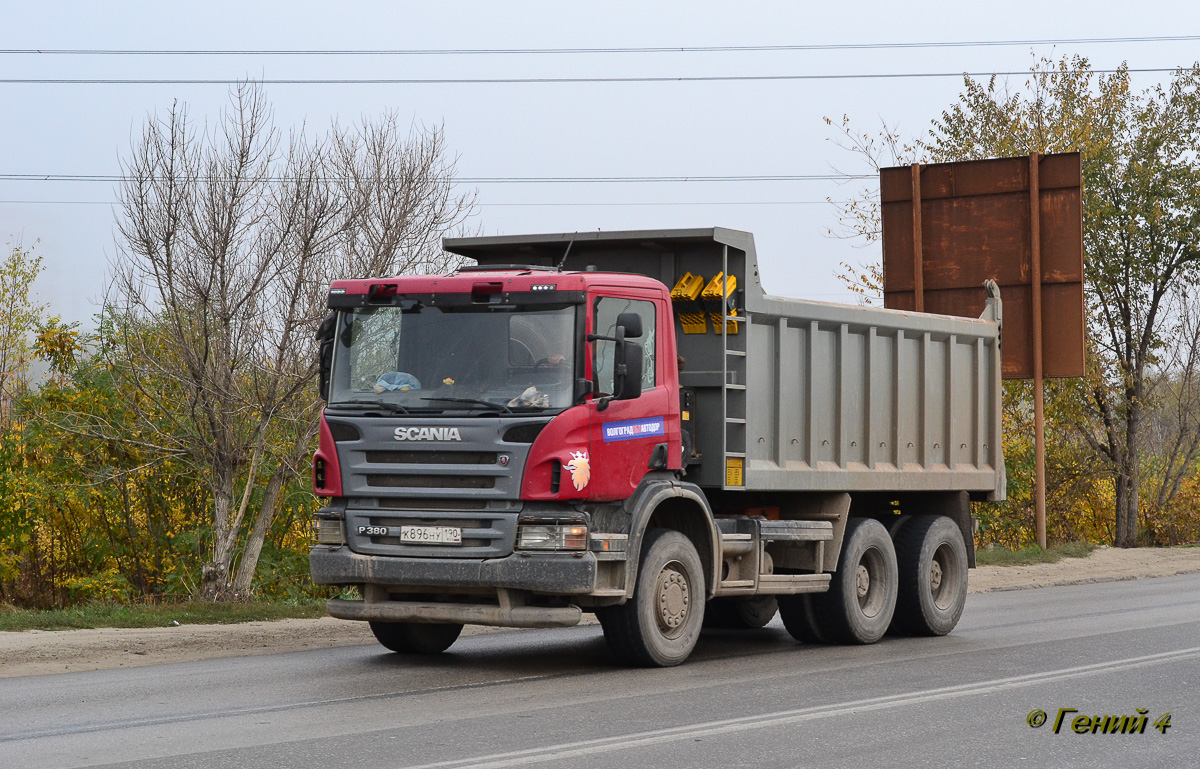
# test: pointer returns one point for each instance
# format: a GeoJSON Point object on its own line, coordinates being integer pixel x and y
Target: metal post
{"type": "Point", "coordinates": [918, 256]}
{"type": "Point", "coordinates": [1035, 282]}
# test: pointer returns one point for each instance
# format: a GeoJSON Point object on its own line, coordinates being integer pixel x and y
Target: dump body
{"type": "Point", "coordinates": [858, 399]}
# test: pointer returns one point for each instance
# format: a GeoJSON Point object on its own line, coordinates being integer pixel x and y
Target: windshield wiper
{"type": "Point", "coordinates": [476, 401]}
{"type": "Point", "coordinates": [395, 408]}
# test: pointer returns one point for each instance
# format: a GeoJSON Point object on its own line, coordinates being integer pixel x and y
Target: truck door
{"type": "Point", "coordinates": [624, 436]}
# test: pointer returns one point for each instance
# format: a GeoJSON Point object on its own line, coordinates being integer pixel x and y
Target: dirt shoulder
{"type": "Point", "coordinates": [1106, 564]}
{"type": "Point", "coordinates": [40, 652]}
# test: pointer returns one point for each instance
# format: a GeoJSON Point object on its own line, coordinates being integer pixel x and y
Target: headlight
{"type": "Point", "coordinates": [327, 530]}
{"type": "Point", "coordinates": [554, 536]}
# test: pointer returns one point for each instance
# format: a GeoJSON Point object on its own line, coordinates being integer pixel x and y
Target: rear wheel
{"type": "Point", "coordinates": [740, 613]}
{"type": "Point", "coordinates": [932, 560]}
{"type": "Point", "coordinates": [799, 618]}
{"type": "Point", "coordinates": [862, 592]}
{"type": "Point", "coordinates": [415, 637]}
{"type": "Point", "coordinates": [659, 626]}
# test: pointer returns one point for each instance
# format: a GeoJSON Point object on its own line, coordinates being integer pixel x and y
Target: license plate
{"type": "Point", "coordinates": [431, 535]}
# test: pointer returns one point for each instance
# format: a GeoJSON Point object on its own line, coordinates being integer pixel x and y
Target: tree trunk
{"type": "Point", "coordinates": [254, 542]}
{"type": "Point", "coordinates": [1121, 537]}
{"type": "Point", "coordinates": [1127, 480]}
{"type": "Point", "coordinates": [214, 575]}
{"type": "Point", "coordinates": [270, 506]}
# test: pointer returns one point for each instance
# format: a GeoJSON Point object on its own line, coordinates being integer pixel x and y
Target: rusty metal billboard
{"type": "Point", "coordinates": [995, 219]}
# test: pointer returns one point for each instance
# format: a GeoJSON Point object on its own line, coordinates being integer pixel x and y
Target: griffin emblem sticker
{"type": "Point", "coordinates": [581, 471]}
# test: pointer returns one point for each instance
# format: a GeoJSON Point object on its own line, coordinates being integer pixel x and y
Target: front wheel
{"type": "Point", "coordinates": [660, 625]}
{"type": "Point", "coordinates": [415, 637]}
{"type": "Point", "coordinates": [862, 592]}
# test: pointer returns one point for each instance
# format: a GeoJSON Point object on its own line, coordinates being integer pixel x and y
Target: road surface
{"type": "Point", "coordinates": [745, 699]}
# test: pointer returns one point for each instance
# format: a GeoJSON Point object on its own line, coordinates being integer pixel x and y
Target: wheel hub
{"type": "Point", "coordinates": [674, 599]}
{"type": "Point", "coordinates": [863, 581]}
{"type": "Point", "coordinates": [935, 576]}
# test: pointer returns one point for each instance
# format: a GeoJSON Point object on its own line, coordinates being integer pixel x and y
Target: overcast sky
{"type": "Point", "coordinates": [599, 129]}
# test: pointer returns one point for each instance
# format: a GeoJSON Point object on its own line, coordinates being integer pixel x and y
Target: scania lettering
{"type": "Point", "coordinates": [624, 424]}
{"type": "Point", "coordinates": [427, 434]}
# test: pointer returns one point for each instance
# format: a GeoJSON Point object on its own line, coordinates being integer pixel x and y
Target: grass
{"type": "Point", "coordinates": [94, 615]}
{"type": "Point", "coordinates": [999, 556]}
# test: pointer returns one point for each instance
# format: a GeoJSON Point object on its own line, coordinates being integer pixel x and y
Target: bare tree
{"type": "Point", "coordinates": [859, 217]}
{"type": "Point", "coordinates": [1173, 395]}
{"type": "Point", "coordinates": [229, 237]}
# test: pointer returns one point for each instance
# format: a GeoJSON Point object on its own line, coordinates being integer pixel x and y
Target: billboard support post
{"type": "Point", "coordinates": [918, 256]}
{"type": "Point", "coordinates": [1035, 268]}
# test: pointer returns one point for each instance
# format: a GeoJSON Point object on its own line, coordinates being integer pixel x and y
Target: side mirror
{"type": "Point", "coordinates": [627, 359]}
{"type": "Point", "coordinates": [629, 383]}
{"type": "Point", "coordinates": [325, 330]}
{"type": "Point", "coordinates": [324, 368]}
{"type": "Point", "coordinates": [325, 356]}
{"type": "Point", "coordinates": [632, 323]}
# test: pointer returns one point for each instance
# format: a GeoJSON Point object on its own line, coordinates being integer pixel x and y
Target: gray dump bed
{"type": "Point", "coordinates": [807, 396]}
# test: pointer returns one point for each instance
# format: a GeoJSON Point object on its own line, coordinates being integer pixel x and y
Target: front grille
{"type": "Point", "coordinates": [470, 522]}
{"type": "Point", "coordinates": [432, 481]}
{"type": "Point", "coordinates": [469, 526]}
{"type": "Point", "coordinates": [392, 503]}
{"type": "Point", "coordinates": [479, 465]}
{"type": "Point", "coordinates": [484, 534]}
{"type": "Point", "coordinates": [431, 457]}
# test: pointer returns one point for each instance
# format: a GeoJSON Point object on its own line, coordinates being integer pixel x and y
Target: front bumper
{"type": "Point", "coordinates": [464, 614]}
{"type": "Point", "coordinates": [545, 573]}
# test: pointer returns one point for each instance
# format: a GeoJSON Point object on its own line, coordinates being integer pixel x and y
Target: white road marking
{"type": "Point", "coordinates": [786, 717]}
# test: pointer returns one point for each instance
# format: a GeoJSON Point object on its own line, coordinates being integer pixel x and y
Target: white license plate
{"type": "Point", "coordinates": [431, 535]}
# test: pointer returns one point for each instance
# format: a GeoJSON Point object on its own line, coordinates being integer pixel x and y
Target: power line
{"type": "Point", "coordinates": [561, 51]}
{"type": "Point", "coordinates": [546, 80]}
{"type": "Point", "coordinates": [60, 202]}
{"type": "Point", "coordinates": [526, 204]}
{"type": "Point", "coordinates": [684, 203]}
{"type": "Point", "coordinates": [502, 179]}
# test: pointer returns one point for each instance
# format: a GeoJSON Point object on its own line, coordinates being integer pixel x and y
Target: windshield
{"type": "Point", "coordinates": [454, 358]}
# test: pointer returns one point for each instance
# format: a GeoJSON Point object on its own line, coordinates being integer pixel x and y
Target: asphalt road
{"type": "Point", "coordinates": [753, 699]}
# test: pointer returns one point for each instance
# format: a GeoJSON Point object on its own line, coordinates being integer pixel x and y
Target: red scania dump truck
{"type": "Point", "coordinates": [623, 423]}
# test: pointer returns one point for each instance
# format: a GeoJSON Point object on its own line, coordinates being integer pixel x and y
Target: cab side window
{"type": "Point", "coordinates": [604, 323]}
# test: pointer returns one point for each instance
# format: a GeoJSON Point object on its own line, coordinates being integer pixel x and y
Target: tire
{"type": "Point", "coordinates": [415, 637]}
{"type": "Point", "coordinates": [756, 612]}
{"type": "Point", "coordinates": [894, 529]}
{"type": "Point", "coordinates": [718, 614]}
{"type": "Point", "coordinates": [862, 592]}
{"type": "Point", "coordinates": [898, 524]}
{"type": "Point", "coordinates": [932, 560]}
{"type": "Point", "coordinates": [799, 618]}
{"type": "Point", "coordinates": [740, 613]}
{"type": "Point", "coordinates": [660, 625]}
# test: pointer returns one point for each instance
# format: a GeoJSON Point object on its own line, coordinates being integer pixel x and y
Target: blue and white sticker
{"type": "Point", "coordinates": [633, 428]}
